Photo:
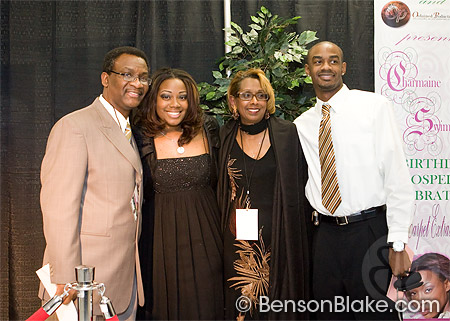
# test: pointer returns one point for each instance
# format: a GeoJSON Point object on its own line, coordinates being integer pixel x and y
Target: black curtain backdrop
{"type": "Point", "coordinates": [51, 57]}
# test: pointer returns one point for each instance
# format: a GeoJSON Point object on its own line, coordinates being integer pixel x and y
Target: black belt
{"type": "Point", "coordinates": [357, 217]}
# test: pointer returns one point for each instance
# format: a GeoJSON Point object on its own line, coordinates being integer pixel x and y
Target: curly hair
{"type": "Point", "coordinates": [308, 56]}
{"type": "Point", "coordinates": [147, 117]}
{"type": "Point", "coordinates": [235, 86]}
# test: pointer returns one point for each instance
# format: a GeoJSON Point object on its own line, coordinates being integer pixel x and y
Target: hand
{"type": "Point", "coordinates": [72, 293]}
{"type": "Point", "coordinates": [399, 262]}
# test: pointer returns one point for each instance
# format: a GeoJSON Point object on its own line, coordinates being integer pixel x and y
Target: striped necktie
{"type": "Point", "coordinates": [331, 196]}
{"type": "Point", "coordinates": [128, 132]}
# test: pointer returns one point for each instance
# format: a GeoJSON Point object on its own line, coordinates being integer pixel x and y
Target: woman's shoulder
{"type": "Point", "coordinates": [212, 127]}
{"type": "Point", "coordinates": [283, 131]}
{"type": "Point", "coordinates": [282, 124]}
{"type": "Point", "coordinates": [211, 123]}
{"type": "Point", "coordinates": [229, 125]}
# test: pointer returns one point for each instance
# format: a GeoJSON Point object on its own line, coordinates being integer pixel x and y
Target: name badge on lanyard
{"type": "Point", "coordinates": [247, 224]}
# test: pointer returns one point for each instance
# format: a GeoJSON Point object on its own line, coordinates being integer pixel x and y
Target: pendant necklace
{"type": "Point", "coordinates": [180, 149]}
{"type": "Point", "coordinates": [248, 178]}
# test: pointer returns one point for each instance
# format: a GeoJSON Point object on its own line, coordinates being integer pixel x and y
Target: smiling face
{"type": "Point", "coordinates": [172, 102]}
{"type": "Point", "coordinates": [326, 68]}
{"type": "Point", "coordinates": [125, 95]}
{"type": "Point", "coordinates": [433, 288]}
{"type": "Point", "coordinates": [252, 111]}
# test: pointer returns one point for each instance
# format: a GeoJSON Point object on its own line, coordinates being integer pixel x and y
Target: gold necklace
{"type": "Point", "coordinates": [180, 149]}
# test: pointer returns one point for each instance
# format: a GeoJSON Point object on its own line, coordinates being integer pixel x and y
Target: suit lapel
{"type": "Point", "coordinates": [112, 132]}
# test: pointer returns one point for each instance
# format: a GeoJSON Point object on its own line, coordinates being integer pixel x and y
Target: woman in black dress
{"type": "Point", "coordinates": [261, 166]}
{"type": "Point", "coordinates": [181, 244]}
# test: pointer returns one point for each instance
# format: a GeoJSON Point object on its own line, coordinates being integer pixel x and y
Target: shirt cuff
{"type": "Point", "coordinates": [398, 236]}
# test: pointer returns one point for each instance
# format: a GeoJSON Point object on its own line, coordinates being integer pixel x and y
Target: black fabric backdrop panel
{"type": "Point", "coordinates": [183, 34]}
{"type": "Point", "coordinates": [350, 25]}
{"type": "Point", "coordinates": [51, 60]}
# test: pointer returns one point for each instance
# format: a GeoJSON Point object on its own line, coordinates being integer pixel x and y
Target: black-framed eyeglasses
{"type": "Point", "coordinates": [130, 78]}
{"type": "Point", "coordinates": [247, 96]}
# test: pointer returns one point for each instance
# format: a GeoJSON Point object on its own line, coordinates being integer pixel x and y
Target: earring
{"type": "Point", "coordinates": [235, 113]}
{"type": "Point", "coordinates": [267, 115]}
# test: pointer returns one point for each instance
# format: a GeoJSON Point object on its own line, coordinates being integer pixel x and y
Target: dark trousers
{"type": "Point", "coordinates": [351, 269]}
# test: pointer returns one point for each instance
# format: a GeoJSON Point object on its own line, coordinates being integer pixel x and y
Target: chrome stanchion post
{"type": "Point", "coordinates": [84, 287]}
{"type": "Point", "coordinates": [107, 308]}
{"type": "Point", "coordinates": [53, 304]}
{"type": "Point", "coordinates": [85, 278]}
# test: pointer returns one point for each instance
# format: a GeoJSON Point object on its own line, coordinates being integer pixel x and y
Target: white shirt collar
{"type": "Point", "coordinates": [335, 102]}
{"type": "Point", "coordinates": [117, 116]}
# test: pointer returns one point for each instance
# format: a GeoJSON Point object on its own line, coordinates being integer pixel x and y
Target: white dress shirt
{"type": "Point", "coordinates": [370, 163]}
{"type": "Point", "coordinates": [118, 117]}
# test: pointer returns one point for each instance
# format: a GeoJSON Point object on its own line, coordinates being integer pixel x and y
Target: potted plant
{"type": "Point", "coordinates": [271, 47]}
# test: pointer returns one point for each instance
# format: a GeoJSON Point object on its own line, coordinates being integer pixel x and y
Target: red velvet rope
{"type": "Point", "coordinates": [39, 315]}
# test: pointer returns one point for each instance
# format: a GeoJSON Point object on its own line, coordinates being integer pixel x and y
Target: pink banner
{"type": "Point", "coordinates": [412, 68]}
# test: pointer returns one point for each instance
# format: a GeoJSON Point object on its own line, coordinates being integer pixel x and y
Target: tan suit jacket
{"type": "Point", "coordinates": [88, 177]}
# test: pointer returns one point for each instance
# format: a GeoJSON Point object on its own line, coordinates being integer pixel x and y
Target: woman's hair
{"type": "Point", "coordinates": [149, 120]}
{"type": "Point", "coordinates": [434, 262]}
{"type": "Point", "coordinates": [235, 86]}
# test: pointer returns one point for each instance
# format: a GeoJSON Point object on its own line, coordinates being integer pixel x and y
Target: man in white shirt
{"type": "Point", "coordinates": [371, 203]}
{"type": "Point", "coordinates": [91, 187]}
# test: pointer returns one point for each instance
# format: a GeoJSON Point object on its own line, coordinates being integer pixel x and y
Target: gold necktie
{"type": "Point", "coordinates": [128, 132]}
{"type": "Point", "coordinates": [331, 197]}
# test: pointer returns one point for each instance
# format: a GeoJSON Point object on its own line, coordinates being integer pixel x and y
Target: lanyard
{"type": "Point", "coordinates": [248, 179]}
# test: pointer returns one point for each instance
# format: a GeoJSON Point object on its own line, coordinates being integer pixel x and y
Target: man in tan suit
{"type": "Point", "coordinates": [91, 187]}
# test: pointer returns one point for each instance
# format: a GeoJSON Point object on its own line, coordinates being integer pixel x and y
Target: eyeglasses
{"type": "Point", "coordinates": [247, 96]}
{"type": "Point", "coordinates": [130, 78]}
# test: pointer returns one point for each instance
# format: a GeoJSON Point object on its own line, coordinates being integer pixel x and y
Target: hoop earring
{"type": "Point", "coordinates": [267, 115]}
{"type": "Point", "coordinates": [235, 114]}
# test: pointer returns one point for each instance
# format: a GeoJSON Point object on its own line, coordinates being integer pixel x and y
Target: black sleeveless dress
{"type": "Point", "coordinates": [187, 248]}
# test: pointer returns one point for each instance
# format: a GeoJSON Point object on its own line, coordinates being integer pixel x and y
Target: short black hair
{"type": "Point", "coordinates": [112, 55]}
{"type": "Point", "coordinates": [308, 56]}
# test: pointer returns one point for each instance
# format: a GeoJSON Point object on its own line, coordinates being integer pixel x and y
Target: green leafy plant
{"type": "Point", "coordinates": [268, 46]}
